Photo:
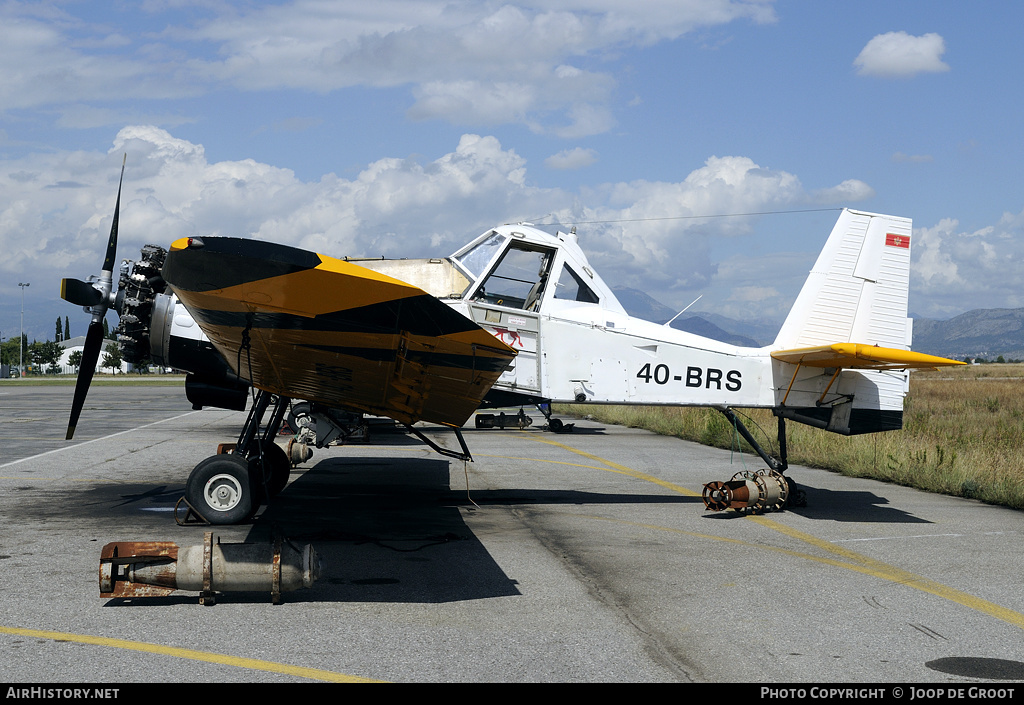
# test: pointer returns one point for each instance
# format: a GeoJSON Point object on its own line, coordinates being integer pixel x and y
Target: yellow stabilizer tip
{"type": "Point", "coordinates": [861, 356]}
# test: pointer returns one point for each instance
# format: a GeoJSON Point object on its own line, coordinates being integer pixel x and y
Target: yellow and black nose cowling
{"type": "Point", "coordinates": [313, 327]}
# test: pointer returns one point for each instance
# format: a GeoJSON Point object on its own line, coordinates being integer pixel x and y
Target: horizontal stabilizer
{"type": "Point", "coordinates": [858, 356]}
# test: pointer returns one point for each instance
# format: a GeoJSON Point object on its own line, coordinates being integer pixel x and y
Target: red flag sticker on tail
{"type": "Point", "coordinates": [893, 240]}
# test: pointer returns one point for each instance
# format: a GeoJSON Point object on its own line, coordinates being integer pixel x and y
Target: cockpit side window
{"type": "Point", "coordinates": [571, 287]}
{"type": "Point", "coordinates": [519, 278]}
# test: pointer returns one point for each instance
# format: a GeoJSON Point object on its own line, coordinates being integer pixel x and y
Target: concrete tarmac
{"type": "Point", "coordinates": [583, 557]}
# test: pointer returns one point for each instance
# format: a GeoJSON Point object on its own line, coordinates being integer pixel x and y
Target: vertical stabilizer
{"type": "Point", "coordinates": [857, 290]}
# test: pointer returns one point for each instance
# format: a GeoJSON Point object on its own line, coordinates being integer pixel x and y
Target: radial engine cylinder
{"type": "Point", "coordinates": [157, 568]}
{"type": "Point", "coordinates": [748, 492]}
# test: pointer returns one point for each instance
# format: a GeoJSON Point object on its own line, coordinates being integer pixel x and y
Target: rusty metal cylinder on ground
{"type": "Point", "coordinates": [520, 420]}
{"type": "Point", "coordinates": [151, 569]}
{"type": "Point", "coordinates": [297, 452]}
{"type": "Point", "coordinates": [748, 492]}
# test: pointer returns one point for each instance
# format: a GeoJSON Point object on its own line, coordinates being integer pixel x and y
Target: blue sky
{"type": "Point", "coordinates": [406, 127]}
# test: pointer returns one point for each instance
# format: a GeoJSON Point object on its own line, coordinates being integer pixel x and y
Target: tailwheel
{"type": "Point", "coordinates": [300, 416]}
{"type": "Point", "coordinates": [270, 468]}
{"type": "Point", "coordinates": [221, 490]}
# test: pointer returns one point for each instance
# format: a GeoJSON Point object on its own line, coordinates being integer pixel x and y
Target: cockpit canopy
{"type": "Point", "coordinates": [524, 268]}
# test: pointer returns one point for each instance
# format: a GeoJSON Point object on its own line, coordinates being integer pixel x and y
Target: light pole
{"type": "Point", "coordinates": [21, 340]}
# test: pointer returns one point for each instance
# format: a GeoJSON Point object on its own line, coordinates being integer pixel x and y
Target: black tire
{"type": "Point", "coordinates": [299, 416]}
{"type": "Point", "coordinates": [270, 472]}
{"type": "Point", "coordinates": [555, 425]}
{"type": "Point", "coordinates": [220, 489]}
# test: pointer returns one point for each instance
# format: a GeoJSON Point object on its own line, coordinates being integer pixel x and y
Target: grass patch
{"type": "Point", "coordinates": [963, 430]}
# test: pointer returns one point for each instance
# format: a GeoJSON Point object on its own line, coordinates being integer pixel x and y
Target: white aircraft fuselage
{"type": "Point", "coordinates": [537, 292]}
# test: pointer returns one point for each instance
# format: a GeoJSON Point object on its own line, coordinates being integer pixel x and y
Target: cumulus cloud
{"type": "Point", "coordinates": [849, 191]}
{"type": "Point", "coordinates": [49, 58]}
{"type": "Point", "coordinates": [576, 158]}
{"type": "Point", "coordinates": [657, 236]}
{"type": "Point", "coordinates": [58, 206]}
{"type": "Point", "coordinates": [465, 62]}
{"type": "Point", "coordinates": [934, 267]}
{"type": "Point", "coordinates": [901, 55]}
{"type": "Point", "coordinates": [980, 268]}
{"type": "Point", "coordinates": [752, 295]}
{"type": "Point", "coordinates": [651, 235]}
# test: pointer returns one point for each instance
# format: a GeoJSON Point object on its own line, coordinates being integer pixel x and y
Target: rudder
{"type": "Point", "coordinates": [858, 289]}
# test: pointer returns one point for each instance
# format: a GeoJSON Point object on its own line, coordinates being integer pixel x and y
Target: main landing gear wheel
{"type": "Point", "coordinates": [221, 489]}
{"type": "Point", "coordinates": [273, 466]}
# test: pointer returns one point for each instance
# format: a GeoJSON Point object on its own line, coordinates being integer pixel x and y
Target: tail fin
{"type": "Point", "coordinates": [857, 290]}
{"type": "Point", "coordinates": [856, 293]}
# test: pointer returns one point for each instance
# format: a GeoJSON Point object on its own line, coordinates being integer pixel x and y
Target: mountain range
{"type": "Point", "coordinates": [708, 325]}
{"type": "Point", "coordinates": [982, 333]}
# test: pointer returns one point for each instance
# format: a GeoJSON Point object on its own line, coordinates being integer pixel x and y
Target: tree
{"type": "Point", "coordinates": [59, 331]}
{"type": "Point", "coordinates": [9, 351]}
{"type": "Point", "coordinates": [67, 329]}
{"type": "Point", "coordinates": [112, 358]}
{"type": "Point", "coordinates": [46, 354]}
{"type": "Point", "coordinates": [75, 359]}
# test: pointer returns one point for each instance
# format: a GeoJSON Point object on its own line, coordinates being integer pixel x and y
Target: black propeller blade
{"type": "Point", "coordinates": [74, 290]}
{"type": "Point", "coordinates": [80, 293]}
{"type": "Point", "coordinates": [111, 257]}
{"type": "Point", "coordinates": [91, 354]}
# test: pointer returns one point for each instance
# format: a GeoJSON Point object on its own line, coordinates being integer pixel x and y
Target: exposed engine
{"type": "Point", "coordinates": [138, 287]}
{"type": "Point", "coordinates": [150, 332]}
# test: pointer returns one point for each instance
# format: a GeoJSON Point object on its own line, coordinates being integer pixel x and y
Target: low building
{"type": "Point", "coordinates": [78, 343]}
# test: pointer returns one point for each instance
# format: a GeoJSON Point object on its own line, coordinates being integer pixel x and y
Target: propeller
{"type": "Point", "coordinates": [97, 297]}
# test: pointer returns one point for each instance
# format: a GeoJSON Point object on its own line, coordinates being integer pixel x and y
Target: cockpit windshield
{"type": "Point", "coordinates": [475, 259]}
{"type": "Point", "coordinates": [519, 278]}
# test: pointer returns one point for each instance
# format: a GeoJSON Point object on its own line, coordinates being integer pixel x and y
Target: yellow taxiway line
{"type": "Point", "coordinates": [842, 557]}
{"type": "Point", "coordinates": [175, 652]}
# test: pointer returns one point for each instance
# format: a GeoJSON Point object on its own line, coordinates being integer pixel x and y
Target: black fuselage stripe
{"type": "Point", "coordinates": [483, 363]}
{"type": "Point", "coordinates": [224, 262]}
{"type": "Point", "coordinates": [416, 315]}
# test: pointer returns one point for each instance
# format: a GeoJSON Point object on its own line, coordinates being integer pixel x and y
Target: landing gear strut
{"type": "Point", "coordinates": [229, 488]}
{"type": "Point", "coordinates": [750, 492]}
{"type": "Point", "coordinates": [554, 425]}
